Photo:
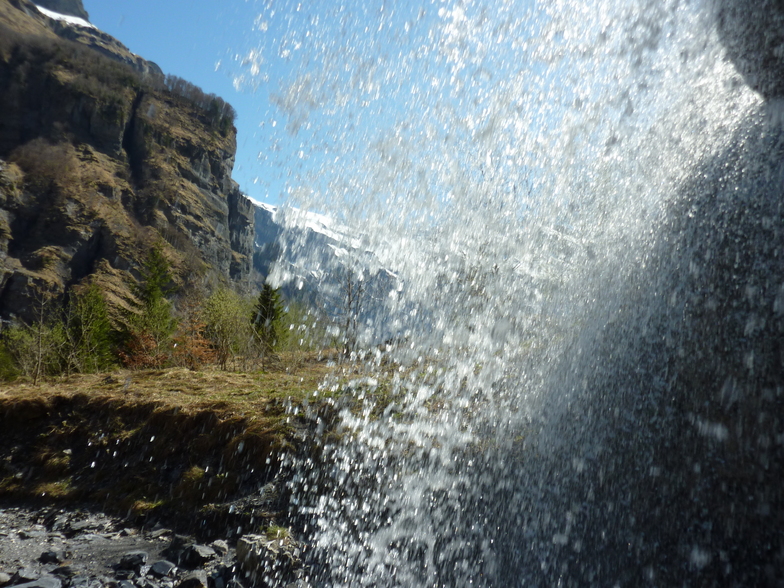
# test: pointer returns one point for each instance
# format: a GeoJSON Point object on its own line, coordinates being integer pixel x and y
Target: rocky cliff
{"type": "Point", "coordinates": [100, 157]}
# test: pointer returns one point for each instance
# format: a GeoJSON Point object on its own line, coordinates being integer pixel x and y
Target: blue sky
{"type": "Point", "coordinates": [205, 42]}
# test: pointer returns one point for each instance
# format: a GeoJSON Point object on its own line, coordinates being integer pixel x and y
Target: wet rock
{"type": "Point", "coordinates": [220, 547]}
{"type": "Point", "coordinates": [176, 548]}
{"type": "Point", "coordinates": [55, 556]}
{"type": "Point", "coordinates": [162, 568]}
{"type": "Point", "coordinates": [197, 555]}
{"type": "Point", "coordinates": [65, 571]}
{"type": "Point", "coordinates": [160, 533]}
{"type": "Point", "coordinates": [26, 574]}
{"type": "Point", "coordinates": [133, 560]}
{"type": "Point", "coordinates": [43, 582]}
{"type": "Point", "coordinates": [279, 559]}
{"type": "Point", "coordinates": [197, 579]}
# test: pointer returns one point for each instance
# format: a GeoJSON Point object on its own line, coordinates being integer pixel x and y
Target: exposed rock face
{"type": "Point", "coordinates": [101, 162]}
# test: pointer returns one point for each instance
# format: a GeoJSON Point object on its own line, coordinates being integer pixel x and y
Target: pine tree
{"type": "Point", "coordinates": [152, 326]}
{"type": "Point", "coordinates": [90, 337]}
{"type": "Point", "coordinates": [267, 315]}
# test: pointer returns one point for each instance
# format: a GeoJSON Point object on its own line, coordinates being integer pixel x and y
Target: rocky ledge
{"type": "Point", "coordinates": [56, 548]}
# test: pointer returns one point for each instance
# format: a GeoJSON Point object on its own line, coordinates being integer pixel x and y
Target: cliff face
{"type": "Point", "coordinates": [99, 160]}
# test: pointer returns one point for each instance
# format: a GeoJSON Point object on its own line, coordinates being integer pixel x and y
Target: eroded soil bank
{"type": "Point", "coordinates": [199, 452]}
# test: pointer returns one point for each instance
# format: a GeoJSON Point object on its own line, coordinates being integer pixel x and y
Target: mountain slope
{"type": "Point", "coordinates": [100, 157]}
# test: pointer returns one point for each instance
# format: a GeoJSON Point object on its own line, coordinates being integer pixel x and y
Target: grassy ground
{"type": "Point", "coordinates": [170, 443]}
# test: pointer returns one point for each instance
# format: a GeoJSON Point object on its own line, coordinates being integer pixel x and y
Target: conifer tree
{"type": "Point", "coordinates": [267, 315]}
{"type": "Point", "coordinates": [152, 326]}
{"type": "Point", "coordinates": [90, 338]}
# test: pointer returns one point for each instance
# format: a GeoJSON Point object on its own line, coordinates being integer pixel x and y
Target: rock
{"type": "Point", "coordinates": [176, 548]}
{"type": "Point", "coordinates": [43, 582]}
{"type": "Point", "coordinates": [119, 133]}
{"type": "Point", "coordinates": [259, 556]}
{"type": "Point", "coordinates": [159, 533]}
{"type": "Point", "coordinates": [32, 534]}
{"type": "Point", "coordinates": [55, 556]}
{"type": "Point", "coordinates": [216, 579]}
{"type": "Point", "coordinates": [65, 571]}
{"type": "Point", "coordinates": [197, 555]}
{"type": "Point", "coordinates": [133, 560]}
{"type": "Point", "coordinates": [162, 568]}
{"type": "Point", "coordinates": [5, 579]}
{"type": "Point", "coordinates": [27, 574]}
{"type": "Point", "coordinates": [220, 547]}
{"type": "Point", "coordinates": [126, 584]}
{"type": "Point", "coordinates": [196, 579]}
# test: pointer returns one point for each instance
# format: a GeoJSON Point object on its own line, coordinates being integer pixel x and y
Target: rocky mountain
{"type": "Point", "coordinates": [320, 261]}
{"type": "Point", "coordinates": [101, 157]}
{"type": "Point", "coordinates": [67, 7]}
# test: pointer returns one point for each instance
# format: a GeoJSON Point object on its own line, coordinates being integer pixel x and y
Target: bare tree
{"type": "Point", "coordinates": [353, 288]}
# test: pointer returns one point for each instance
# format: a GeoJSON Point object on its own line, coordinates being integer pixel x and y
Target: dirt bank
{"type": "Point", "coordinates": [200, 451]}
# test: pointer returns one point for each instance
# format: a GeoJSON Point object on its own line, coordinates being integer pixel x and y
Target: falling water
{"type": "Point", "coordinates": [581, 379]}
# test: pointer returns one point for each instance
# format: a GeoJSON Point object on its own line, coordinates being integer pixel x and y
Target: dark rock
{"type": "Point", "coordinates": [133, 560]}
{"type": "Point", "coordinates": [176, 548]}
{"type": "Point", "coordinates": [43, 582]}
{"type": "Point", "coordinates": [216, 579]}
{"type": "Point", "coordinates": [32, 534]}
{"type": "Point", "coordinates": [197, 555]}
{"type": "Point", "coordinates": [162, 568]}
{"type": "Point", "coordinates": [85, 525]}
{"type": "Point", "coordinates": [65, 571]}
{"type": "Point", "coordinates": [55, 556]}
{"type": "Point", "coordinates": [196, 579]}
{"type": "Point", "coordinates": [27, 574]}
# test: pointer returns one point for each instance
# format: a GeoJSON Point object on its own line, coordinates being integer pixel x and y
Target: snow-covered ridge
{"type": "Point", "coordinates": [295, 218]}
{"type": "Point", "coordinates": [66, 18]}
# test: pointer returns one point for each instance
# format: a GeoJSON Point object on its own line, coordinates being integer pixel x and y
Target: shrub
{"type": "Point", "coordinates": [227, 326]}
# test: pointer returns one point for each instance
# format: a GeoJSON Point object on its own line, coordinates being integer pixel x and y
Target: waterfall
{"type": "Point", "coordinates": [582, 377]}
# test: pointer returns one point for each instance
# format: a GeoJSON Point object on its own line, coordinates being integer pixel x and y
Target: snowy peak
{"type": "Point", "coordinates": [65, 8]}
{"type": "Point", "coordinates": [65, 18]}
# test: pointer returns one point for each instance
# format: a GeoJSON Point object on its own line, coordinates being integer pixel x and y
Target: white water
{"type": "Point", "coordinates": [520, 168]}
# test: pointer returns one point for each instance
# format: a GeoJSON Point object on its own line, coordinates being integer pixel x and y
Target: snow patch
{"type": "Point", "coordinates": [66, 18]}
